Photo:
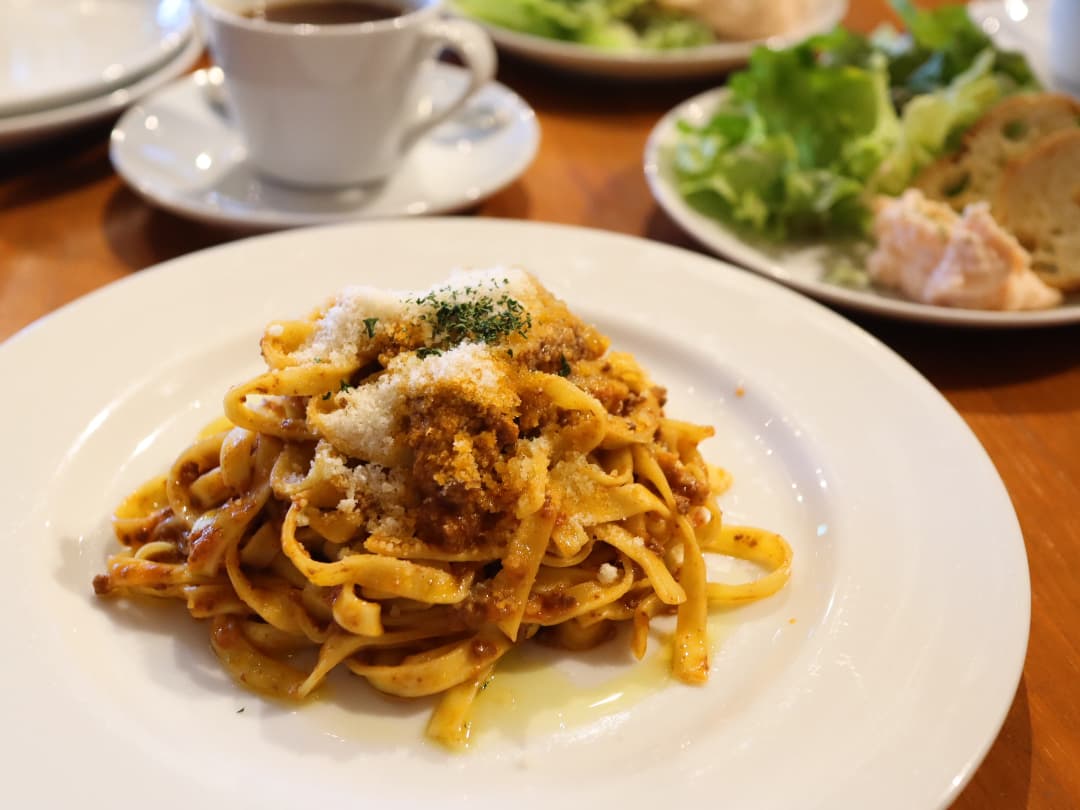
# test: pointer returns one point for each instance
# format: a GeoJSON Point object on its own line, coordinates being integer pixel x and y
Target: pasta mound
{"type": "Point", "coordinates": [421, 481]}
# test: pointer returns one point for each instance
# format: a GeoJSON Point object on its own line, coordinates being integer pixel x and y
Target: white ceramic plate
{"type": "Point", "coordinates": [804, 266]}
{"type": "Point", "coordinates": [885, 691]}
{"type": "Point", "coordinates": [1022, 25]}
{"type": "Point", "coordinates": [707, 60]}
{"type": "Point", "coordinates": [179, 150]}
{"type": "Point", "coordinates": [19, 130]}
{"type": "Point", "coordinates": [60, 51]}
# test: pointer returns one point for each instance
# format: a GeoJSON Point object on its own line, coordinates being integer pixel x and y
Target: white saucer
{"type": "Point", "coordinates": [60, 51]}
{"type": "Point", "coordinates": [18, 130]}
{"type": "Point", "coordinates": [180, 151]}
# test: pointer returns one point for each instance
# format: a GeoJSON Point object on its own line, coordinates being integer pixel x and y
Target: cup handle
{"type": "Point", "coordinates": [476, 51]}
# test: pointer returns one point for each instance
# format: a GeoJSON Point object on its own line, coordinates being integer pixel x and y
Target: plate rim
{"type": "Point", "coordinates": [724, 243]}
{"type": "Point", "coordinates": [19, 129]}
{"type": "Point", "coordinates": [270, 219]}
{"type": "Point", "coordinates": [150, 60]}
{"type": "Point", "coordinates": [831, 321]}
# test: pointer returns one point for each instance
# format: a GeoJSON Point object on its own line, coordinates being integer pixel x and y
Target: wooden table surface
{"type": "Point", "coordinates": [68, 225]}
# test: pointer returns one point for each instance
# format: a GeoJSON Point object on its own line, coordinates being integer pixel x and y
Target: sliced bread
{"type": "Point", "coordinates": [1004, 133]}
{"type": "Point", "coordinates": [1038, 201]}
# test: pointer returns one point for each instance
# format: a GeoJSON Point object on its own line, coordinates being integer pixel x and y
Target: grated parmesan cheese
{"type": "Point", "coordinates": [377, 492]}
{"type": "Point", "coordinates": [364, 449]}
{"type": "Point", "coordinates": [607, 574]}
{"type": "Point", "coordinates": [367, 422]}
{"type": "Point", "coordinates": [341, 331]}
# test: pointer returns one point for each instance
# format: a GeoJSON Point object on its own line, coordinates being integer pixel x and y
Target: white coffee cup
{"type": "Point", "coordinates": [338, 104]}
{"type": "Point", "coordinates": [1065, 43]}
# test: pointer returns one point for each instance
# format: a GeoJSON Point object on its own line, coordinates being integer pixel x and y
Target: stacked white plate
{"type": "Point", "coordinates": [71, 62]}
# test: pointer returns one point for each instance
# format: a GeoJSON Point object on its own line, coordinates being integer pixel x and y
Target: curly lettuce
{"type": "Point", "coordinates": [809, 134]}
{"type": "Point", "coordinates": [793, 147]}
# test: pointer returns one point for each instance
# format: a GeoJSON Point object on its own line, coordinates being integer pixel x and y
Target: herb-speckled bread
{"type": "Point", "coordinates": [1003, 134]}
{"type": "Point", "coordinates": [1038, 201]}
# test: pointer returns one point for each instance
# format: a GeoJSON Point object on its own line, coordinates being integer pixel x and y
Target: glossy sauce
{"type": "Point", "coordinates": [529, 694]}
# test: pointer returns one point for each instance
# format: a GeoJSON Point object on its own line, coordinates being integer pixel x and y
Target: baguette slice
{"type": "Point", "coordinates": [1005, 132]}
{"type": "Point", "coordinates": [1038, 200]}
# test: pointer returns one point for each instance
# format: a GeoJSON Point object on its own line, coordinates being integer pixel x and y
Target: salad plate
{"type": "Point", "coordinates": [63, 51]}
{"type": "Point", "coordinates": [804, 266]}
{"type": "Point", "coordinates": [878, 678]}
{"type": "Point", "coordinates": [702, 60]}
{"type": "Point", "coordinates": [787, 170]}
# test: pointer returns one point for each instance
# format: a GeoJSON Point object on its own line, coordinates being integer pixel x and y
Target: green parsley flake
{"type": "Point", "coordinates": [326, 396]}
{"type": "Point", "coordinates": [470, 315]}
{"type": "Point", "coordinates": [369, 324]}
{"type": "Point", "coordinates": [345, 386]}
{"type": "Point", "coordinates": [564, 367]}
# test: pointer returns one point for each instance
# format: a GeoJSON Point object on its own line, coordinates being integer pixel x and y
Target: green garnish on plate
{"type": "Point", "coordinates": [809, 134]}
{"type": "Point", "coordinates": [612, 25]}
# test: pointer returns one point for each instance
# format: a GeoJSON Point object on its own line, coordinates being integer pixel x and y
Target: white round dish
{"type": "Point", "coordinates": [19, 130]}
{"type": "Point", "coordinates": [1022, 25]}
{"type": "Point", "coordinates": [179, 150]}
{"type": "Point", "coordinates": [60, 51]}
{"type": "Point", "coordinates": [804, 266]}
{"type": "Point", "coordinates": [707, 60]}
{"type": "Point", "coordinates": [878, 678]}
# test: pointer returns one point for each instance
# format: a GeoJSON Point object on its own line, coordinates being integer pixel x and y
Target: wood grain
{"type": "Point", "coordinates": [68, 226]}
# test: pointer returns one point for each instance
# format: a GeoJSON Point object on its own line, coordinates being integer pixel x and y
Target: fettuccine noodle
{"type": "Point", "coordinates": [420, 482]}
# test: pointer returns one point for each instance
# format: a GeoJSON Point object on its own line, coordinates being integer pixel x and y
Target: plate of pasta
{"type": "Point", "coordinates": [465, 512]}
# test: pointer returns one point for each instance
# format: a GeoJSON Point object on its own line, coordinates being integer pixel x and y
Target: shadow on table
{"type": "Point", "coordinates": [1004, 778]}
{"type": "Point", "coordinates": [141, 235]}
{"type": "Point", "coordinates": [661, 228]}
{"type": "Point", "coordinates": [37, 172]}
{"type": "Point", "coordinates": [513, 202]}
{"type": "Point", "coordinates": [975, 358]}
{"type": "Point", "coordinates": [550, 90]}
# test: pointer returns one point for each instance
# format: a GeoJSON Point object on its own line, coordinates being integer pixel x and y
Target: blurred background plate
{"type": "Point", "coordinates": [60, 51]}
{"type": "Point", "coordinates": [26, 128]}
{"type": "Point", "coordinates": [1022, 25]}
{"type": "Point", "coordinates": [706, 60]}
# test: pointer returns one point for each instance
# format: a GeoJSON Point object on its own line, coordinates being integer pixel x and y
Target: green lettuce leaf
{"type": "Point", "coordinates": [544, 18]}
{"type": "Point", "coordinates": [790, 152]}
{"type": "Point", "coordinates": [942, 44]}
{"type": "Point", "coordinates": [933, 121]}
{"type": "Point", "coordinates": [809, 134]}
{"type": "Point", "coordinates": [616, 25]}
